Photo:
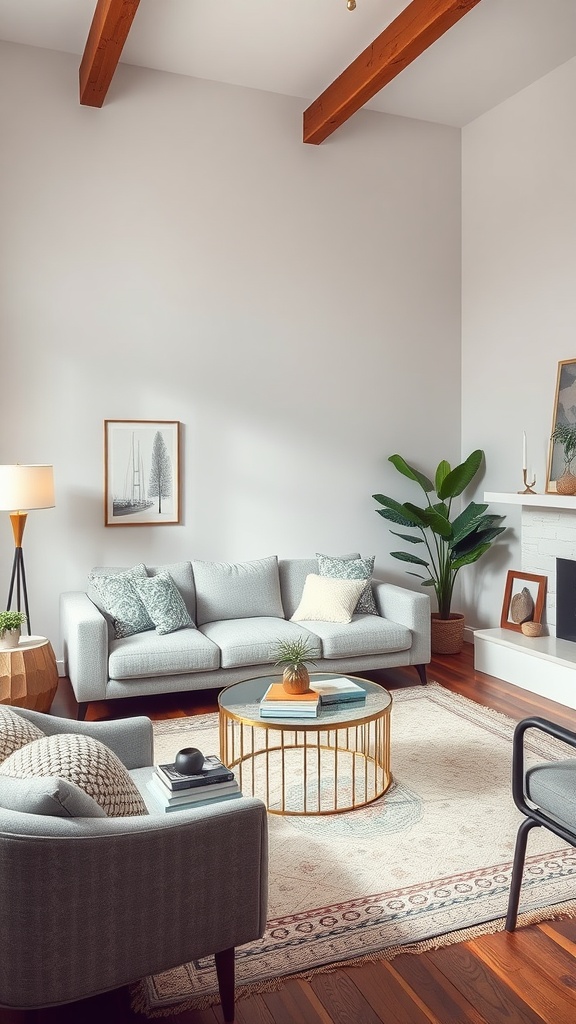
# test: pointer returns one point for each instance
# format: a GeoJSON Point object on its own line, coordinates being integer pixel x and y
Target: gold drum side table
{"type": "Point", "coordinates": [29, 674]}
{"type": "Point", "coordinates": [336, 762]}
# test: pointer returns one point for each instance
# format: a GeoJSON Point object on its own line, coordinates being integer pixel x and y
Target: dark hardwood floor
{"type": "Point", "coordinates": [524, 978]}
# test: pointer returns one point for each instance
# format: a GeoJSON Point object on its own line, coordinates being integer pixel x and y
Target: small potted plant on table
{"type": "Point", "coordinates": [294, 655]}
{"type": "Point", "coordinates": [10, 628]}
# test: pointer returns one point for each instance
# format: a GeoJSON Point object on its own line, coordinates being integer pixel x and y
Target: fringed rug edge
{"type": "Point", "coordinates": [139, 993]}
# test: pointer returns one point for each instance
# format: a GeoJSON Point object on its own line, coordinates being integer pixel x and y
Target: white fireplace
{"type": "Point", "coordinates": [544, 665]}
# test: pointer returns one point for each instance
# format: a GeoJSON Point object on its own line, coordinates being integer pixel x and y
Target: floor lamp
{"type": "Point", "coordinates": [23, 488]}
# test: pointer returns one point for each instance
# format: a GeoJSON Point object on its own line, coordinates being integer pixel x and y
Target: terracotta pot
{"type": "Point", "coordinates": [296, 680]}
{"type": "Point", "coordinates": [447, 634]}
{"type": "Point", "coordinates": [566, 484]}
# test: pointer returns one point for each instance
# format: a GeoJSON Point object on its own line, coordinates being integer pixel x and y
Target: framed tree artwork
{"type": "Point", "coordinates": [141, 472]}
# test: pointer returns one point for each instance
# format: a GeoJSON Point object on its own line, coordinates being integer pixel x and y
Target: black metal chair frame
{"type": "Point", "coordinates": [534, 815]}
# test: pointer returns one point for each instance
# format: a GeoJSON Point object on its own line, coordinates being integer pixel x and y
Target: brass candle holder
{"type": "Point", "coordinates": [527, 487]}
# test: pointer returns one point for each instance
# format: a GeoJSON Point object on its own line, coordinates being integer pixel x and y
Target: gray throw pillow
{"type": "Point", "coordinates": [352, 569]}
{"type": "Point", "coordinates": [121, 601]}
{"type": "Point", "coordinates": [237, 590]}
{"type": "Point", "coordinates": [59, 798]}
{"type": "Point", "coordinates": [163, 602]}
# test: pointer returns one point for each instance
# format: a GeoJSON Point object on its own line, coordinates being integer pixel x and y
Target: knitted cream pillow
{"type": "Point", "coordinates": [325, 599]}
{"type": "Point", "coordinates": [15, 732]}
{"type": "Point", "coordinates": [85, 761]}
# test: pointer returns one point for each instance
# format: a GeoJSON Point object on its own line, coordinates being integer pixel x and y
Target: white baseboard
{"type": "Point", "coordinates": [60, 667]}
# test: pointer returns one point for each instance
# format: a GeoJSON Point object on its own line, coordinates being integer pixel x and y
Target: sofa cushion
{"type": "Point", "coordinates": [148, 654]}
{"type": "Point", "coordinates": [237, 590]}
{"type": "Point", "coordinates": [327, 599]}
{"type": "Point", "coordinates": [15, 732]}
{"type": "Point", "coordinates": [119, 599]}
{"type": "Point", "coordinates": [81, 759]}
{"type": "Point", "coordinates": [181, 574]}
{"type": "Point", "coordinates": [293, 573]}
{"type": "Point", "coordinates": [365, 634]}
{"type": "Point", "coordinates": [252, 641]}
{"type": "Point", "coordinates": [57, 797]}
{"type": "Point", "coordinates": [352, 569]}
{"type": "Point", "coordinates": [163, 602]}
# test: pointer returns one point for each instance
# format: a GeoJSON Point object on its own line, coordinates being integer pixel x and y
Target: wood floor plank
{"type": "Point", "coordinates": [343, 1000]}
{"type": "Point", "coordinates": [493, 998]}
{"type": "Point", "coordinates": [253, 1010]}
{"type": "Point", "coordinates": [383, 989]}
{"type": "Point", "coordinates": [562, 932]}
{"type": "Point", "coordinates": [446, 1001]}
{"type": "Point", "coordinates": [509, 957]}
{"type": "Point", "coordinates": [295, 1003]}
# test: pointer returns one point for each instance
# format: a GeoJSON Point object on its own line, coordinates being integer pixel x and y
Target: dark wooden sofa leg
{"type": "Point", "coordinates": [421, 670]}
{"type": "Point", "coordinates": [225, 972]}
{"type": "Point", "coordinates": [82, 709]}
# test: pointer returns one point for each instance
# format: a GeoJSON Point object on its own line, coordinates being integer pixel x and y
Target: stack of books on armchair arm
{"type": "Point", "coordinates": [173, 791]}
{"type": "Point", "coordinates": [277, 703]}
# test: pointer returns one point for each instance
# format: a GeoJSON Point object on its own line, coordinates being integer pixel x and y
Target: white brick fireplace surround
{"type": "Point", "coordinates": [544, 665]}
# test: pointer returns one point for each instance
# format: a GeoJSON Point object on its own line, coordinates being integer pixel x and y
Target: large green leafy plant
{"type": "Point", "coordinates": [450, 543]}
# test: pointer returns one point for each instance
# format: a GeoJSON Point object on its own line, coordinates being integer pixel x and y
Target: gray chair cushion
{"type": "Point", "coordinates": [237, 590]}
{"type": "Point", "coordinates": [366, 634]}
{"type": "Point", "coordinates": [252, 641]}
{"type": "Point", "coordinates": [51, 795]}
{"type": "Point", "coordinates": [552, 787]}
{"type": "Point", "coordinates": [151, 654]}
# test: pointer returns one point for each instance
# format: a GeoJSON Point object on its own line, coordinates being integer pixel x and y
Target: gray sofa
{"type": "Point", "coordinates": [240, 611]}
{"type": "Point", "coordinates": [88, 904]}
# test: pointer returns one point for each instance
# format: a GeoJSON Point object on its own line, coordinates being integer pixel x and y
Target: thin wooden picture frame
{"type": "Point", "coordinates": [515, 583]}
{"type": "Point", "coordinates": [563, 412]}
{"type": "Point", "coordinates": [142, 473]}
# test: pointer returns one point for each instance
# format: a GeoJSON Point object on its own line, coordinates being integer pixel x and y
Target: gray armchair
{"type": "Point", "coordinates": [546, 795]}
{"type": "Point", "coordinates": [91, 904]}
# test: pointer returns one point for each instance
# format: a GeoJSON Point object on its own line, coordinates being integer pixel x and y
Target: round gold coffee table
{"type": "Point", "coordinates": [325, 765]}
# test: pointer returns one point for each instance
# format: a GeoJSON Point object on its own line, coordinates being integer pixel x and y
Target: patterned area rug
{"type": "Point", "coordinates": [425, 865]}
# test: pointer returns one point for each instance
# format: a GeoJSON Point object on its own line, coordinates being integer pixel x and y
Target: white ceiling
{"type": "Point", "coordinates": [297, 47]}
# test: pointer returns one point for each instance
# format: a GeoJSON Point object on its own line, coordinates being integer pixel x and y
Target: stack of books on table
{"type": "Point", "coordinates": [173, 791]}
{"type": "Point", "coordinates": [337, 690]}
{"type": "Point", "coordinates": [277, 703]}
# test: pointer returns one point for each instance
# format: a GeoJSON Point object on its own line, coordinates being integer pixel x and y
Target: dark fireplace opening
{"type": "Point", "coordinates": [566, 599]}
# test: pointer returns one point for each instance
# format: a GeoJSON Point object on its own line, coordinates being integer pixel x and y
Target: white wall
{"type": "Point", "coordinates": [518, 298]}
{"type": "Point", "coordinates": [180, 254]}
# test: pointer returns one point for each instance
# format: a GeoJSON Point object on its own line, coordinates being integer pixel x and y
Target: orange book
{"type": "Point", "coordinates": [276, 692]}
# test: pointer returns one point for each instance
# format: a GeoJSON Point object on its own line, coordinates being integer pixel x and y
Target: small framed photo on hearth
{"type": "Point", "coordinates": [524, 597]}
{"type": "Point", "coordinates": [141, 472]}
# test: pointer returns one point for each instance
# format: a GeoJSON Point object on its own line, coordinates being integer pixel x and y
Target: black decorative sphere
{"type": "Point", "coordinates": [189, 761]}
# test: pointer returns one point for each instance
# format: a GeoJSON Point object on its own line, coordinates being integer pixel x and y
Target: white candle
{"type": "Point", "coordinates": [524, 463]}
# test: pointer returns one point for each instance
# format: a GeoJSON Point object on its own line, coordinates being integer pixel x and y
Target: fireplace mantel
{"type": "Point", "coordinates": [536, 500]}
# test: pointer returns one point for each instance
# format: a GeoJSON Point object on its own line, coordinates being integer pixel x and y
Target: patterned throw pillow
{"type": "Point", "coordinates": [15, 732]}
{"type": "Point", "coordinates": [120, 600]}
{"type": "Point", "coordinates": [352, 569]}
{"type": "Point", "coordinates": [328, 600]}
{"type": "Point", "coordinates": [163, 602]}
{"type": "Point", "coordinates": [84, 761]}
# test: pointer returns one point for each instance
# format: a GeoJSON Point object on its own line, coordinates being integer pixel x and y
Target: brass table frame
{"type": "Point", "coordinates": [353, 737]}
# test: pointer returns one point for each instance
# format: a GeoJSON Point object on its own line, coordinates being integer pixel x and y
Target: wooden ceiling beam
{"type": "Point", "coordinates": [109, 30]}
{"type": "Point", "coordinates": [419, 25]}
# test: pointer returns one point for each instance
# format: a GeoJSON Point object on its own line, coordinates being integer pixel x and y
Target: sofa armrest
{"type": "Point", "coordinates": [177, 888]}
{"type": "Point", "coordinates": [409, 608]}
{"type": "Point", "coordinates": [131, 739]}
{"type": "Point", "coordinates": [84, 633]}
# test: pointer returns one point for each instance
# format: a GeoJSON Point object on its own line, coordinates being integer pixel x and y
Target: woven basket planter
{"type": "Point", "coordinates": [447, 635]}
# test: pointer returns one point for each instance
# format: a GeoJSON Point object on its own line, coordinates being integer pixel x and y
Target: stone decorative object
{"type": "Point", "coordinates": [522, 606]}
{"type": "Point", "coordinates": [532, 628]}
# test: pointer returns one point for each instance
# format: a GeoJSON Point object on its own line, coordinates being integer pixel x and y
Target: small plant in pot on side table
{"type": "Point", "coordinates": [10, 627]}
{"type": "Point", "coordinates": [294, 655]}
{"type": "Point", "coordinates": [451, 543]}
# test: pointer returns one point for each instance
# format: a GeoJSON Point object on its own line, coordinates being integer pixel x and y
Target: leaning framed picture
{"type": "Point", "coordinates": [141, 472]}
{"type": "Point", "coordinates": [562, 446]}
{"type": "Point", "coordinates": [524, 596]}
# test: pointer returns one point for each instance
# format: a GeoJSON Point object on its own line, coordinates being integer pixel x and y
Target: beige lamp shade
{"type": "Point", "coordinates": [26, 487]}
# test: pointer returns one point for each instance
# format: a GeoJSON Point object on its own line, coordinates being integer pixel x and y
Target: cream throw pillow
{"type": "Point", "coordinates": [328, 600]}
{"type": "Point", "coordinates": [89, 764]}
{"type": "Point", "coordinates": [15, 732]}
